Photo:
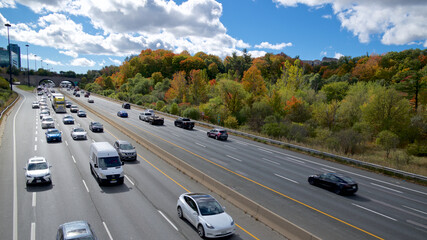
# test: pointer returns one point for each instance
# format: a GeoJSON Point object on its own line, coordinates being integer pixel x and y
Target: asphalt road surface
{"type": "Point", "coordinates": [144, 207]}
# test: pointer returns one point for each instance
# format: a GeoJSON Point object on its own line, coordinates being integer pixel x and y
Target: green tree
{"type": "Point", "coordinates": [387, 140]}
{"type": "Point", "coordinates": [387, 110]}
{"type": "Point", "coordinates": [291, 76]}
{"type": "Point", "coordinates": [232, 95]}
{"type": "Point", "coordinates": [325, 114]}
{"type": "Point", "coordinates": [109, 85]}
{"type": "Point", "coordinates": [198, 86]}
{"type": "Point", "coordinates": [335, 91]}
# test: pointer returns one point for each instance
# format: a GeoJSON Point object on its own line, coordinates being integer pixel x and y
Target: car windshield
{"type": "Point", "coordinates": [68, 117]}
{"type": "Point", "coordinates": [97, 124]}
{"type": "Point", "coordinates": [223, 131]}
{"type": "Point", "coordinates": [209, 206]}
{"type": "Point", "coordinates": [44, 112]}
{"type": "Point", "coordinates": [37, 166]}
{"type": "Point", "coordinates": [79, 130]}
{"type": "Point", "coordinates": [48, 119]}
{"type": "Point", "coordinates": [109, 162]}
{"type": "Point", "coordinates": [126, 146]}
{"type": "Point", "coordinates": [54, 131]}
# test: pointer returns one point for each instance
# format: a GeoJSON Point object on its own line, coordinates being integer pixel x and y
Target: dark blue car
{"type": "Point", "coordinates": [122, 114]}
{"type": "Point", "coordinates": [53, 135]}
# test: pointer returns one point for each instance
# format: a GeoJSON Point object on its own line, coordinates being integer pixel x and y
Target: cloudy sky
{"type": "Point", "coordinates": [80, 35]}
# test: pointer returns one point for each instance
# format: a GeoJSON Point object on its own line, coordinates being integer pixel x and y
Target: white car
{"type": "Point", "coordinates": [35, 105]}
{"type": "Point", "coordinates": [44, 113]}
{"type": "Point", "coordinates": [47, 122]}
{"type": "Point", "coordinates": [78, 133]}
{"type": "Point", "coordinates": [206, 214]}
{"type": "Point", "coordinates": [37, 171]}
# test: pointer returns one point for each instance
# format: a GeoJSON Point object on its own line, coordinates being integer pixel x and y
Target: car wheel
{"type": "Point", "coordinates": [201, 231]}
{"type": "Point", "coordinates": [311, 181]}
{"type": "Point", "coordinates": [338, 190]}
{"type": "Point", "coordinates": [176, 125]}
{"type": "Point", "coordinates": [216, 137]}
{"type": "Point", "coordinates": [180, 215]}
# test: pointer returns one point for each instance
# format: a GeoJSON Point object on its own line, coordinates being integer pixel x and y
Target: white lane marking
{"type": "Point", "coordinates": [271, 161]}
{"type": "Point", "coordinates": [294, 160]}
{"type": "Point", "coordinates": [342, 170]}
{"type": "Point", "coordinates": [36, 132]}
{"type": "Point", "coordinates": [200, 144]}
{"type": "Point", "coordinates": [367, 209]}
{"type": "Point", "coordinates": [240, 142]}
{"type": "Point", "coordinates": [74, 160]}
{"type": "Point", "coordinates": [229, 146]}
{"type": "Point", "coordinates": [35, 147]}
{"type": "Point", "coordinates": [265, 150]}
{"type": "Point", "coordinates": [386, 188]}
{"type": "Point", "coordinates": [35, 139]}
{"type": "Point", "coordinates": [280, 176]}
{"type": "Point", "coordinates": [87, 189]}
{"type": "Point", "coordinates": [66, 143]}
{"type": "Point", "coordinates": [416, 224]}
{"type": "Point", "coordinates": [234, 158]}
{"type": "Point", "coordinates": [34, 200]}
{"type": "Point", "coordinates": [416, 210]}
{"type": "Point", "coordinates": [129, 180]}
{"type": "Point", "coordinates": [108, 232]}
{"type": "Point", "coordinates": [167, 219]}
{"type": "Point", "coordinates": [33, 231]}
{"type": "Point", "coordinates": [37, 127]}
{"type": "Point", "coordinates": [328, 170]}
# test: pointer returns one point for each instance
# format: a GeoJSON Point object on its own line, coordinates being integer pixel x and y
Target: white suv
{"type": "Point", "coordinates": [37, 171]}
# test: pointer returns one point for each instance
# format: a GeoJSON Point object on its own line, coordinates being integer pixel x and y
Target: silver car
{"type": "Point", "coordinates": [75, 230]}
{"type": "Point", "coordinates": [35, 104]}
{"type": "Point", "coordinates": [37, 171]}
{"type": "Point", "coordinates": [78, 133]}
{"type": "Point", "coordinates": [47, 122]}
{"type": "Point", "coordinates": [206, 214]}
{"type": "Point", "coordinates": [125, 150]}
{"type": "Point", "coordinates": [44, 113]}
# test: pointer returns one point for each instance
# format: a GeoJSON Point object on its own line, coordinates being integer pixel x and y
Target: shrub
{"type": "Point", "coordinates": [231, 122]}
{"type": "Point", "coordinates": [174, 109]}
{"type": "Point", "coordinates": [191, 112]}
{"type": "Point", "coordinates": [297, 132]}
{"type": "Point", "coordinates": [349, 140]}
{"type": "Point", "coordinates": [4, 84]}
{"type": "Point", "coordinates": [387, 140]}
{"type": "Point", "coordinates": [160, 104]}
{"type": "Point", "coordinates": [107, 92]}
{"type": "Point", "coordinates": [149, 99]}
{"type": "Point", "coordinates": [417, 149]}
{"type": "Point", "coordinates": [275, 129]}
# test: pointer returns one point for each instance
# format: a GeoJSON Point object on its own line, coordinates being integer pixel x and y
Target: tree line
{"type": "Point", "coordinates": [350, 105]}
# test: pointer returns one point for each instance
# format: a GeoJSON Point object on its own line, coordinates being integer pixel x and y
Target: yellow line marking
{"type": "Point", "coordinates": [177, 183]}
{"type": "Point", "coordinates": [261, 185]}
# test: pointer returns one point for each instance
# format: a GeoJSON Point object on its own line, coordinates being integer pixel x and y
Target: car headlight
{"type": "Point", "coordinates": [232, 222]}
{"type": "Point", "coordinates": [47, 175]}
{"type": "Point", "coordinates": [209, 226]}
{"type": "Point", "coordinates": [29, 176]}
{"type": "Point", "coordinates": [101, 175]}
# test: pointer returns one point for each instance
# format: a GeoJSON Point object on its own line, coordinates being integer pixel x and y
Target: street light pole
{"type": "Point", "coordinates": [28, 66]}
{"type": "Point", "coordinates": [35, 63]}
{"type": "Point", "coordinates": [10, 55]}
{"type": "Point", "coordinates": [41, 63]}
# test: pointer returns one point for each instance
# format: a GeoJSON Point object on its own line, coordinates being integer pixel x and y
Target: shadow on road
{"type": "Point", "coordinates": [39, 188]}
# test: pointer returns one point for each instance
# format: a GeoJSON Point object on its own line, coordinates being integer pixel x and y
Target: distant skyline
{"type": "Point", "coordinates": [81, 35]}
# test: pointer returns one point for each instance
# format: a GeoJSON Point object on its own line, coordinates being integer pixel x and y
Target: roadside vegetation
{"type": "Point", "coordinates": [6, 95]}
{"type": "Point", "coordinates": [26, 88]}
{"type": "Point", "coordinates": [372, 108]}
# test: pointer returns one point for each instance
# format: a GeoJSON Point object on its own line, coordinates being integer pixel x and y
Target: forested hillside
{"type": "Point", "coordinates": [370, 107]}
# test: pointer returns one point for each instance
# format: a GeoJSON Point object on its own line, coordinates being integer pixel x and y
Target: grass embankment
{"type": "Point", "coordinates": [26, 88]}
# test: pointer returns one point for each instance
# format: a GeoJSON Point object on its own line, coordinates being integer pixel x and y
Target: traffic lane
{"type": "Point", "coordinates": [172, 199]}
{"type": "Point", "coordinates": [65, 195]}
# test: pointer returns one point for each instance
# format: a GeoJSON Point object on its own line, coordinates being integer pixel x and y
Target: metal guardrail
{"type": "Point", "coordinates": [11, 104]}
{"type": "Point", "coordinates": [301, 148]}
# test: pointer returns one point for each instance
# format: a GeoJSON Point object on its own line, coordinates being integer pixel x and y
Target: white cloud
{"type": "Point", "coordinates": [266, 45]}
{"type": "Point", "coordinates": [70, 53]}
{"type": "Point", "coordinates": [323, 53]}
{"type": "Point", "coordinates": [398, 22]}
{"type": "Point", "coordinates": [125, 27]}
{"type": "Point", "coordinates": [328, 16]}
{"type": "Point", "coordinates": [7, 4]}
{"type": "Point", "coordinates": [115, 61]}
{"type": "Point", "coordinates": [52, 62]}
{"type": "Point", "coordinates": [82, 62]}
{"type": "Point", "coordinates": [338, 55]}
{"type": "Point", "coordinates": [256, 53]}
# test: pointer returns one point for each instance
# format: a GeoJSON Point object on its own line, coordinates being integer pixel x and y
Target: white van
{"type": "Point", "coordinates": [105, 163]}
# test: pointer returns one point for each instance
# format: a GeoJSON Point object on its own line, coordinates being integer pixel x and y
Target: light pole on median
{"type": "Point", "coordinates": [28, 66]}
{"type": "Point", "coordinates": [10, 55]}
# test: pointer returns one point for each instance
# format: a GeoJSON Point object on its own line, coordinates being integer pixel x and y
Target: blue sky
{"type": "Point", "coordinates": [81, 35]}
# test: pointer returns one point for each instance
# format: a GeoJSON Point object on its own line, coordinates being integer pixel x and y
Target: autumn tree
{"type": "Point", "coordinates": [366, 68]}
{"type": "Point", "coordinates": [291, 76]}
{"type": "Point", "coordinates": [198, 86]}
{"type": "Point", "coordinates": [325, 114]}
{"type": "Point", "coordinates": [253, 82]}
{"type": "Point", "coordinates": [232, 95]}
{"type": "Point", "coordinates": [178, 88]}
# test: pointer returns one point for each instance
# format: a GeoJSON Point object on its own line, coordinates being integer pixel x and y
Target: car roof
{"type": "Point", "coordinates": [76, 229]}
{"type": "Point", "coordinates": [122, 142]}
{"type": "Point", "coordinates": [52, 130]}
{"type": "Point", "coordinates": [36, 160]}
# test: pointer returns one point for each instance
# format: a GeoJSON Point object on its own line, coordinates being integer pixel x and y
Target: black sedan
{"type": "Point", "coordinates": [96, 127]}
{"type": "Point", "coordinates": [335, 182]}
{"type": "Point", "coordinates": [122, 114]}
{"type": "Point", "coordinates": [81, 113]}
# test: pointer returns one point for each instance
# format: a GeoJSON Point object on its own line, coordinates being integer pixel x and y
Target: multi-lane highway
{"type": "Point", "coordinates": [383, 208]}
{"type": "Point", "coordinates": [144, 207]}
